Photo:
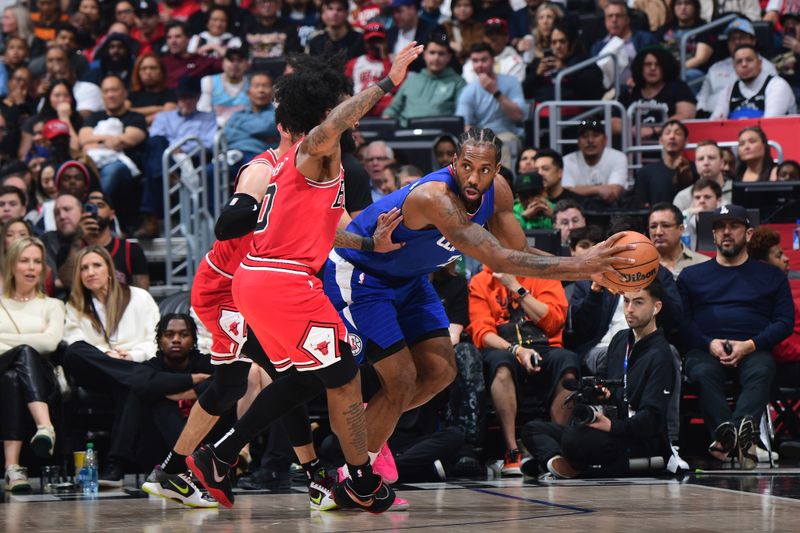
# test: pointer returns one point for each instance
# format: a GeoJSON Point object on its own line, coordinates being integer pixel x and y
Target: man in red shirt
{"type": "Point", "coordinates": [179, 61]}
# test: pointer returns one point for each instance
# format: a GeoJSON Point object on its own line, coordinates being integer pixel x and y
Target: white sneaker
{"type": "Point", "coordinates": [177, 487]}
{"type": "Point", "coordinates": [44, 441]}
{"type": "Point", "coordinates": [17, 479]}
{"type": "Point", "coordinates": [763, 455]}
{"type": "Point", "coordinates": [676, 462]}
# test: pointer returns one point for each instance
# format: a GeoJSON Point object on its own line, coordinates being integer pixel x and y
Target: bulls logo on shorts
{"type": "Point", "coordinates": [235, 328]}
{"type": "Point", "coordinates": [321, 343]}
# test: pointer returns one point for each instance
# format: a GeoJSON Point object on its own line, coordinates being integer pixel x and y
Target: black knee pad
{"type": "Point", "coordinates": [227, 386]}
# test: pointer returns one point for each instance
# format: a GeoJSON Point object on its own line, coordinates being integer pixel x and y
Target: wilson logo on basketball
{"type": "Point", "coordinates": [638, 276]}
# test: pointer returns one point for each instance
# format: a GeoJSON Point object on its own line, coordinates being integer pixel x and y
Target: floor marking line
{"type": "Point", "coordinates": [533, 500]}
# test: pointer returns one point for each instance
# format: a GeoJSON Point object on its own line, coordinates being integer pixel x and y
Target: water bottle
{"type": "Point", "coordinates": [686, 236]}
{"type": "Point", "coordinates": [88, 474]}
{"type": "Point", "coordinates": [796, 239]}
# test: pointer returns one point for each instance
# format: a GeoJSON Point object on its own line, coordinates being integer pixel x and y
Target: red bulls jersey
{"type": "Point", "coordinates": [225, 256]}
{"type": "Point", "coordinates": [298, 219]}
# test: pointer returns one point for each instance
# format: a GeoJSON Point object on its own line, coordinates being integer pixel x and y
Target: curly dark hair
{"type": "Point", "coordinates": [670, 69]}
{"type": "Point", "coordinates": [305, 96]}
{"type": "Point", "coordinates": [481, 136]}
{"type": "Point", "coordinates": [762, 240]}
{"type": "Point", "coordinates": [161, 327]}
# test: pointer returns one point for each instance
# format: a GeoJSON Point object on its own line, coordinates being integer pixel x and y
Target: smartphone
{"type": "Point", "coordinates": [547, 52]}
{"type": "Point", "coordinates": [91, 209]}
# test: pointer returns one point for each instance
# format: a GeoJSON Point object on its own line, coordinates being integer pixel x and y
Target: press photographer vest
{"type": "Point", "coordinates": [753, 107]}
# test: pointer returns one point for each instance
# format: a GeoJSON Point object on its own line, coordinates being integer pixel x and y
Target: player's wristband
{"type": "Point", "coordinates": [386, 85]}
{"type": "Point", "coordinates": [368, 244]}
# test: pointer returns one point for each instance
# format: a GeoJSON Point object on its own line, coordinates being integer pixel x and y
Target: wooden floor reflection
{"type": "Point", "coordinates": [722, 502]}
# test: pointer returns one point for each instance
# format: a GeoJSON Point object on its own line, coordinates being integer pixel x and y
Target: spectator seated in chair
{"type": "Point", "coordinates": [567, 216]}
{"type": "Point", "coordinates": [226, 93]}
{"type": "Point", "coordinates": [31, 326]}
{"type": "Point", "coordinates": [658, 182]}
{"type": "Point", "coordinates": [754, 93]}
{"type": "Point", "coordinates": [168, 128]}
{"type": "Point", "coordinates": [96, 228]}
{"type": "Point", "coordinates": [666, 226]}
{"type": "Point", "coordinates": [596, 171]}
{"type": "Point", "coordinates": [722, 73]}
{"type": "Point", "coordinates": [736, 310]}
{"type": "Point", "coordinates": [708, 161]}
{"type": "Point", "coordinates": [109, 329]}
{"type": "Point", "coordinates": [163, 390]}
{"type": "Point", "coordinates": [532, 208]}
{"type": "Point", "coordinates": [639, 357]}
{"type": "Point", "coordinates": [517, 323]}
{"type": "Point", "coordinates": [765, 246]}
{"type": "Point", "coordinates": [432, 91]}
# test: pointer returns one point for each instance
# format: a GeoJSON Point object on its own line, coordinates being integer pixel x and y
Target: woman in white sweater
{"type": "Point", "coordinates": [110, 327]}
{"type": "Point", "coordinates": [31, 326]}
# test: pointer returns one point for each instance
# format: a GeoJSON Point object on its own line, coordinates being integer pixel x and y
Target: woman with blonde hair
{"type": "Point", "coordinates": [110, 328]}
{"type": "Point", "coordinates": [31, 325]}
{"type": "Point", "coordinates": [535, 45]}
{"type": "Point", "coordinates": [17, 22]}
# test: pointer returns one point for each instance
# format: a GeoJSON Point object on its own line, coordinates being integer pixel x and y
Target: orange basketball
{"type": "Point", "coordinates": [639, 274]}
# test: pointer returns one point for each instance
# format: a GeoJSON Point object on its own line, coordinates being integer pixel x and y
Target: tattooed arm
{"type": "Point", "coordinates": [324, 139]}
{"type": "Point", "coordinates": [445, 211]}
{"type": "Point", "coordinates": [503, 224]}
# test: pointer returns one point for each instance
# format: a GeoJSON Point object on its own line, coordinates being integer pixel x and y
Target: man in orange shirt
{"type": "Point", "coordinates": [517, 323]}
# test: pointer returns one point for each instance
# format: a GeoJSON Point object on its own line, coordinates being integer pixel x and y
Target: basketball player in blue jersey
{"type": "Point", "coordinates": [392, 312]}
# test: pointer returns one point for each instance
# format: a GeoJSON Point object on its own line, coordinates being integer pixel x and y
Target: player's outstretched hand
{"type": "Point", "coordinates": [602, 258]}
{"type": "Point", "coordinates": [387, 222]}
{"type": "Point", "coordinates": [402, 60]}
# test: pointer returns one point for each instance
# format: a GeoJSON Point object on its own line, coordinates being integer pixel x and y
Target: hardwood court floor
{"type": "Point", "coordinates": [721, 501]}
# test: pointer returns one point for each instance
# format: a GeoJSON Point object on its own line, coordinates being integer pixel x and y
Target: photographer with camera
{"type": "Point", "coordinates": [612, 427]}
{"type": "Point", "coordinates": [517, 323]}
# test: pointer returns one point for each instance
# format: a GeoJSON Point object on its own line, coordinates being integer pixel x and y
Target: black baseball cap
{"type": "Point", "coordinates": [531, 182]}
{"type": "Point", "coordinates": [235, 51]}
{"type": "Point", "coordinates": [146, 7]}
{"type": "Point", "coordinates": [591, 125]}
{"type": "Point", "coordinates": [730, 212]}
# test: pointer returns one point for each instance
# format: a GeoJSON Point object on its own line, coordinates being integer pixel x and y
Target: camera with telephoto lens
{"type": "Point", "coordinates": [589, 400]}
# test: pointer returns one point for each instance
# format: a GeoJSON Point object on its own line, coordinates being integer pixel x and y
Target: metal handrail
{"type": "Point", "coordinates": [556, 125]}
{"type": "Point", "coordinates": [555, 113]}
{"type": "Point", "coordinates": [582, 65]}
{"type": "Point", "coordinates": [635, 116]}
{"type": "Point", "coordinates": [195, 223]}
{"type": "Point", "coordinates": [696, 31]}
{"type": "Point", "coordinates": [220, 168]}
{"type": "Point", "coordinates": [692, 146]}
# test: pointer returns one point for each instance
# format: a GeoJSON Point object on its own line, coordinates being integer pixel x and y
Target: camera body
{"type": "Point", "coordinates": [589, 399]}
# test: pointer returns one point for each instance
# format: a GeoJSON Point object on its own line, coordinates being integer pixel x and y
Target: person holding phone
{"type": "Point", "coordinates": [565, 50]}
{"type": "Point", "coordinates": [97, 226]}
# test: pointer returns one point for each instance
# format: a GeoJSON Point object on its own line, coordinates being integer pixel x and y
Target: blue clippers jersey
{"type": "Point", "coordinates": [425, 251]}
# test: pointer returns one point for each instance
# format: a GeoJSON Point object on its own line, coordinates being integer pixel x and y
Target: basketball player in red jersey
{"type": "Point", "coordinates": [283, 302]}
{"type": "Point", "coordinates": [213, 303]}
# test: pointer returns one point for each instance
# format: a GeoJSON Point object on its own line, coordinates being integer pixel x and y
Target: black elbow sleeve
{"type": "Point", "coordinates": [238, 217]}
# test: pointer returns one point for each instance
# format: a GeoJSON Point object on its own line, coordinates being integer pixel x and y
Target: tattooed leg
{"type": "Point", "coordinates": [346, 410]}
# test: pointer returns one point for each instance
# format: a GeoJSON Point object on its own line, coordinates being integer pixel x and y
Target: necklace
{"type": "Point", "coordinates": [19, 298]}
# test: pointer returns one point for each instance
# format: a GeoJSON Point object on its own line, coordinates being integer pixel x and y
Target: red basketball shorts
{"type": "Point", "coordinates": [212, 302]}
{"type": "Point", "coordinates": [294, 321]}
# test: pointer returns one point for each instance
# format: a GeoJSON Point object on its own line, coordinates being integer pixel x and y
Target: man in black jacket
{"type": "Point", "coordinates": [639, 357]}
{"type": "Point", "coordinates": [163, 390]}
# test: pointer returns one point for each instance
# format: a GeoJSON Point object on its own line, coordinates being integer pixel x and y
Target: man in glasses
{"type": "Point", "coordinates": [595, 170]}
{"type": "Point", "coordinates": [665, 224]}
{"type": "Point", "coordinates": [377, 157]}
